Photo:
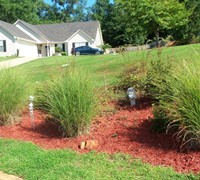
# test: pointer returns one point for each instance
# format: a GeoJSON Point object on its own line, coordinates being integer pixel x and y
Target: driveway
{"type": "Point", "coordinates": [16, 62]}
{"type": "Point", "coordinates": [4, 176]}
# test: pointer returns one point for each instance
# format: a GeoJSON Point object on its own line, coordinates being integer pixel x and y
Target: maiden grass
{"type": "Point", "coordinates": [14, 92]}
{"type": "Point", "coordinates": [181, 101]}
{"type": "Point", "coordinates": [70, 99]}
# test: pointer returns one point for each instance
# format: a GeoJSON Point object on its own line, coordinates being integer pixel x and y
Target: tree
{"type": "Point", "coordinates": [27, 10]}
{"type": "Point", "coordinates": [36, 11]}
{"type": "Point", "coordinates": [80, 11]}
{"type": "Point", "coordinates": [192, 30]}
{"type": "Point", "coordinates": [42, 11]}
{"type": "Point", "coordinates": [132, 29]}
{"type": "Point", "coordinates": [52, 15]}
{"type": "Point", "coordinates": [167, 15]}
{"type": "Point", "coordinates": [101, 10]}
{"type": "Point", "coordinates": [69, 10]}
{"type": "Point", "coordinates": [153, 16]}
{"type": "Point", "coordinates": [105, 12]}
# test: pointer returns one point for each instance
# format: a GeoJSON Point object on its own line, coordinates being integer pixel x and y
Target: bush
{"type": "Point", "coordinates": [14, 93]}
{"type": "Point", "coordinates": [63, 53]}
{"type": "Point", "coordinates": [195, 39]}
{"type": "Point", "coordinates": [70, 99]}
{"type": "Point", "coordinates": [146, 79]}
{"type": "Point", "coordinates": [134, 75]}
{"type": "Point", "coordinates": [156, 77]}
{"type": "Point", "coordinates": [181, 102]}
{"type": "Point", "coordinates": [58, 49]}
{"type": "Point", "coordinates": [106, 46]}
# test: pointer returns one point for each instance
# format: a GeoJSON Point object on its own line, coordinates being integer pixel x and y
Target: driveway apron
{"type": "Point", "coordinates": [16, 62]}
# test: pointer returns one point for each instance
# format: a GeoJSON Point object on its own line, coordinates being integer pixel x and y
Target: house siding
{"type": "Point", "coordinates": [98, 40]}
{"type": "Point", "coordinates": [27, 49]}
{"type": "Point", "coordinates": [52, 49]}
{"type": "Point", "coordinates": [78, 37]}
{"type": "Point", "coordinates": [10, 43]}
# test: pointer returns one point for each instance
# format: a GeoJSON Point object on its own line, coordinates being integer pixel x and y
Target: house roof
{"type": "Point", "coordinates": [63, 31]}
{"type": "Point", "coordinates": [53, 32]}
{"type": "Point", "coordinates": [14, 31]}
{"type": "Point", "coordinates": [33, 28]}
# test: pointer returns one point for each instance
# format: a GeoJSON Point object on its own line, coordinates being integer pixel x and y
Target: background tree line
{"type": "Point", "coordinates": [122, 22]}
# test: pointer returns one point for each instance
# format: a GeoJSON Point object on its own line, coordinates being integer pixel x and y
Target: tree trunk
{"type": "Point", "coordinates": [157, 37]}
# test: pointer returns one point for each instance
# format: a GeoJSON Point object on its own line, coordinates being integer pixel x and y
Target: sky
{"type": "Point", "coordinates": [89, 2]}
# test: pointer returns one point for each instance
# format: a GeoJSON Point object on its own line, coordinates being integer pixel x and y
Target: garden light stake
{"type": "Point", "coordinates": [32, 118]}
{"type": "Point", "coordinates": [132, 95]}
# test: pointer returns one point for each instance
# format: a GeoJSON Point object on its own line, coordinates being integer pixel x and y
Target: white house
{"type": "Point", "coordinates": [25, 39]}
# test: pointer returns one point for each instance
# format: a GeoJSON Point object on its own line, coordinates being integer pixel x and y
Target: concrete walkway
{"type": "Point", "coordinates": [4, 176]}
{"type": "Point", "coordinates": [16, 62]}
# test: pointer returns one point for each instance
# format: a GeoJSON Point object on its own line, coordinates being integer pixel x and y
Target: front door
{"type": "Point", "coordinates": [46, 51]}
{"type": "Point", "coordinates": [39, 48]}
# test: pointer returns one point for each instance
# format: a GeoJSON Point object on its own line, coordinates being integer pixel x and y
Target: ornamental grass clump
{"type": "Point", "coordinates": [71, 100]}
{"type": "Point", "coordinates": [181, 103]}
{"type": "Point", "coordinates": [14, 92]}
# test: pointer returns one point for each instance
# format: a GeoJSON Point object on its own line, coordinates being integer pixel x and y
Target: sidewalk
{"type": "Point", "coordinates": [16, 62]}
{"type": "Point", "coordinates": [4, 176]}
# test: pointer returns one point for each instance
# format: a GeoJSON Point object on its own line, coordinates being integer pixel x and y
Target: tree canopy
{"type": "Point", "coordinates": [69, 10]}
{"type": "Point", "coordinates": [27, 10]}
{"type": "Point", "coordinates": [152, 16]}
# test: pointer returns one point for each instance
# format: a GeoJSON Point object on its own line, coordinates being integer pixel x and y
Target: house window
{"type": "Point", "coordinates": [63, 47]}
{"type": "Point", "coordinates": [2, 45]}
{"type": "Point", "coordinates": [78, 44]}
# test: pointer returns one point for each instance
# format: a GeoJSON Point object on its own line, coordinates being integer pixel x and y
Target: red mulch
{"type": "Point", "coordinates": [125, 131]}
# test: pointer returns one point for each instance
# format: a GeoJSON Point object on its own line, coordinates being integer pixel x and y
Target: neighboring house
{"type": "Point", "coordinates": [25, 39]}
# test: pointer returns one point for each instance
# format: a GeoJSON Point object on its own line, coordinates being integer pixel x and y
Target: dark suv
{"type": "Point", "coordinates": [83, 50]}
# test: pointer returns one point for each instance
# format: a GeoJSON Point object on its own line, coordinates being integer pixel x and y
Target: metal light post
{"type": "Point", "coordinates": [132, 96]}
{"type": "Point", "coordinates": [31, 98]}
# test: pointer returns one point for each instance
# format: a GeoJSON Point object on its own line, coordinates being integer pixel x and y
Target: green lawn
{"type": "Point", "coordinates": [105, 68]}
{"type": "Point", "coordinates": [102, 67]}
{"type": "Point", "coordinates": [7, 58]}
{"type": "Point", "coordinates": [30, 162]}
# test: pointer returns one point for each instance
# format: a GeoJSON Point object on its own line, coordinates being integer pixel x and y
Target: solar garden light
{"type": "Point", "coordinates": [31, 98]}
{"type": "Point", "coordinates": [132, 95]}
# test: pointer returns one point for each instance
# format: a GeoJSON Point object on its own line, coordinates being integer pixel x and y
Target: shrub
{"type": "Point", "coordinates": [156, 77]}
{"type": "Point", "coordinates": [134, 75]}
{"type": "Point", "coordinates": [70, 99]}
{"type": "Point", "coordinates": [194, 39]}
{"type": "Point", "coordinates": [181, 102]}
{"type": "Point", "coordinates": [146, 79]}
{"type": "Point", "coordinates": [106, 46]}
{"type": "Point", "coordinates": [14, 92]}
{"type": "Point", "coordinates": [63, 53]}
{"type": "Point", "coordinates": [58, 49]}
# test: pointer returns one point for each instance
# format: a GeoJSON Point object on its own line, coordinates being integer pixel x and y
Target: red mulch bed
{"type": "Point", "coordinates": [125, 131]}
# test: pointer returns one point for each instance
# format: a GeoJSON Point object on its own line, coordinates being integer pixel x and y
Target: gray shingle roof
{"type": "Point", "coordinates": [14, 30]}
{"type": "Point", "coordinates": [53, 32]}
{"type": "Point", "coordinates": [63, 31]}
{"type": "Point", "coordinates": [35, 29]}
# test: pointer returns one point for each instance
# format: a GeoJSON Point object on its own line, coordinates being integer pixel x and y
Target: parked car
{"type": "Point", "coordinates": [84, 50]}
